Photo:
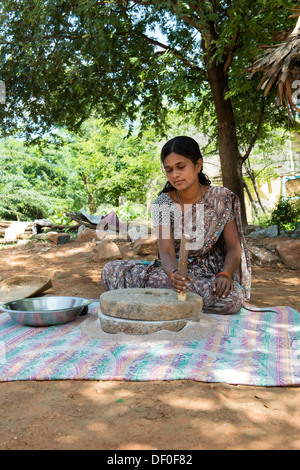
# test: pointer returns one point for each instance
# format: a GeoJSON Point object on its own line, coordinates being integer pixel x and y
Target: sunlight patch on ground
{"type": "Point", "coordinates": [136, 446]}
{"type": "Point", "coordinates": [69, 439]}
{"type": "Point", "coordinates": [291, 281]}
{"type": "Point", "coordinates": [186, 403]}
{"type": "Point", "coordinates": [107, 392]}
{"type": "Point", "coordinates": [98, 426]}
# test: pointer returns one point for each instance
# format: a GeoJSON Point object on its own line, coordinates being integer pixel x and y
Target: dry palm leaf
{"type": "Point", "coordinates": [281, 64]}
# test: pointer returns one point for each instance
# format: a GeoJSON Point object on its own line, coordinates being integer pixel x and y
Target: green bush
{"type": "Point", "coordinates": [286, 214]}
{"type": "Point", "coordinates": [61, 219]}
{"type": "Point", "coordinates": [263, 220]}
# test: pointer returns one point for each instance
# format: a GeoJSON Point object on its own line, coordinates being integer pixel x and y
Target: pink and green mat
{"type": "Point", "coordinates": [255, 347]}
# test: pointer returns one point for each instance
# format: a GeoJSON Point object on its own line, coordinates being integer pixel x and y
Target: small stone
{"type": "Point", "coordinates": [59, 238]}
{"type": "Point", "coordinates": [54, 237]}
{"type": "Point", "coordinates": [21, 242]}
{"type": "Point", "coordinates": [146, 246]}
{"type": "Point", "coordinates": [107, 249]}
{"type": "Point", "coordinates": [42, 236]}
{"type": "Point", "coordinates": [46, 248]}
{"type": "Point", "coordinates": [87, 235]}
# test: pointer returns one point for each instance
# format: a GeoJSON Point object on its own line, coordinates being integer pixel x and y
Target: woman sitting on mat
{"type": "Point", "coordinates": [218, 262]}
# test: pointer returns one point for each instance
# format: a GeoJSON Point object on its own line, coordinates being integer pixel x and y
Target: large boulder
{"type": "Point", "coordinates": [289, 252]}
{"type": "Point", "coordinates": [266, 232]}
{"type": "Point", "coordinates": [263, 257]}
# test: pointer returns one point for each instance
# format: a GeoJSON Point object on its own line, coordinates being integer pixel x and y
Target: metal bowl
{"type": "Point", "coordinates": [45, 311]}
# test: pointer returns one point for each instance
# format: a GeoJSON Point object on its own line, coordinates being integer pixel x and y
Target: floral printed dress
{"type": "Point", "coordinates": [205, 220]}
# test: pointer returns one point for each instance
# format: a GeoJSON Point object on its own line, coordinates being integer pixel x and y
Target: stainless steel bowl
{"type": "Point", "coordinates": [45, 311]}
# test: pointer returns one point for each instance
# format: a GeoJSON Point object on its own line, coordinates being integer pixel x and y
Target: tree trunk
{"type": "Point", "coordinates": [230, 157]}
{"type": "Point", "coordinates": [91, 201]}
{"type": "Point", "coordinates": [251, 175]}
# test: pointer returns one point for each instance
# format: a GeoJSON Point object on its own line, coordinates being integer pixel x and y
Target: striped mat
{"type": "Point", "coordinates": [255, 347]}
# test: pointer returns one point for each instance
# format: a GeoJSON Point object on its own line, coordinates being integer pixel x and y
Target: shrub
{"type": "Point", "coordinates": [286, 214]}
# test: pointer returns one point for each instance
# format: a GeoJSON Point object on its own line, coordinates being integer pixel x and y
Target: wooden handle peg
{"type": "Point", "coordinates": [182, 264]}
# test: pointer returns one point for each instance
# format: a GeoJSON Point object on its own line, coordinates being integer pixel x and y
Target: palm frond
{"type": "Point", "coordinates": [280, 65]}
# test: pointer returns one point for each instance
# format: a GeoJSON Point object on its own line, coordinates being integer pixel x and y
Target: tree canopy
{"type": "Point", "coordinates": [65, 60]}
{"type": "Point", "coordinates": [72, 171]}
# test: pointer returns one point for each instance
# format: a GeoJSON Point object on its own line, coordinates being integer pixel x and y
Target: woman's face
{"type": "Point", "coordinates": [181, 171]}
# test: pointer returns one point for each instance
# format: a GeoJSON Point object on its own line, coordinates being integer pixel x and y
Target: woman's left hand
{"type": "Point", "coordinates": [221, 286]}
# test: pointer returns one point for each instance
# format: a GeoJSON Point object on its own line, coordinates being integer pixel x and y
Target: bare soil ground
{"type": "Point", "coordinates": [169, 415]}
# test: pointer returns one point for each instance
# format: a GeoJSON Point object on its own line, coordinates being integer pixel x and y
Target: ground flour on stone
{"type": "Point", "coordinates": [193, 331]}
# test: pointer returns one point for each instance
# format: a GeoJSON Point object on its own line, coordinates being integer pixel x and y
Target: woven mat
{"type": "Point", "coordinates": [256, 347]}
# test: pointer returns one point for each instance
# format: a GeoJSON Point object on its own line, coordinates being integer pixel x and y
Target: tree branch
{"type": "Point", "coordinates": [176, 53]}
{"type": "Point", "coordinates": [192, 20]}
{"type": "Point", "coordinates": [230, 54]}
{"type": "Point", "coordinates": [256, 135]}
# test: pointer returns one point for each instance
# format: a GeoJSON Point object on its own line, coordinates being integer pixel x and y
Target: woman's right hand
{"type": "Point", "coordinates": [179, 282]}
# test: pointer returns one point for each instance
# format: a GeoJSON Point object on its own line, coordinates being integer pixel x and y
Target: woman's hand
{"type": "Point", "coordinates": [179, 282]}
{"type": "Point", "coordinates": [222, 285]}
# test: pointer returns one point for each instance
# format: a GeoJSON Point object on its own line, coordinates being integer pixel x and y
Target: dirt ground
{"type": "Point", "coordinates": [169, 415]}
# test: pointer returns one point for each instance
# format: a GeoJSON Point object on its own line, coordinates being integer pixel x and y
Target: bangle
{"type": "Point", "coordinates": [173, 275]}
{"type": "Point", "coordinates": [222, 273]}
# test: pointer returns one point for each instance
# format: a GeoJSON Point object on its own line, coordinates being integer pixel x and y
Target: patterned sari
{"type": "Point", "coordinates": [206, 258]}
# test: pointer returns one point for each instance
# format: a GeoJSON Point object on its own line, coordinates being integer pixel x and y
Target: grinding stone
{"type": "Point", "coordinates": [140, 327]}
{"type": "Point", "coordinates": [149, 305]}
{"type": "Point", "coordinates": [23, 286]}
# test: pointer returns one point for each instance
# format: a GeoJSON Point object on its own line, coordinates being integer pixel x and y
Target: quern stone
{"type": "Point", "coordinates": [145, 311]}
{"type": "Point", "coordinates": [138, 327]}
{"type": "Point", "coordinates": [149, 304]}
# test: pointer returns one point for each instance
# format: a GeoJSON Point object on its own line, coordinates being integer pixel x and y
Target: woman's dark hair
{"type": "Point", "coordinates": [187, 147]}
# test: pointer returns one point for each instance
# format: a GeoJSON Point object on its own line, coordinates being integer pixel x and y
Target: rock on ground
{"type": "Point", "coordinates": [146, 246]}
{"type": "Point", "coordinates": [87, 235]}
{"type": "Point", "coordinates": [262, 257]}
{"type": "Point", "coordinates": [289, 251]}
{"type": "Point", "coordinates": [107, 249]}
